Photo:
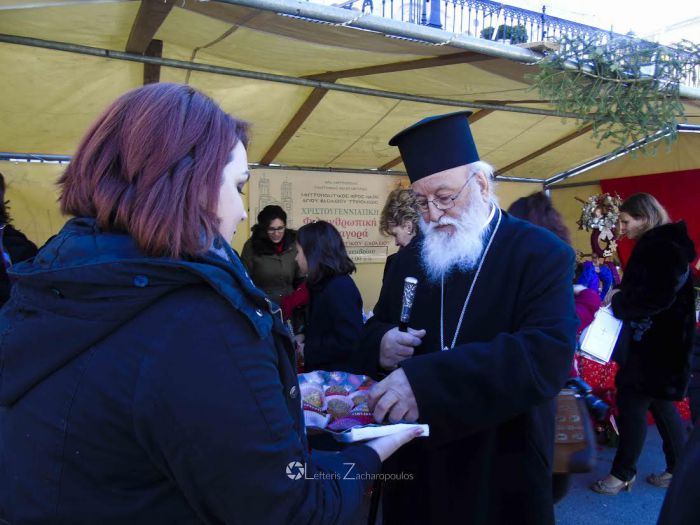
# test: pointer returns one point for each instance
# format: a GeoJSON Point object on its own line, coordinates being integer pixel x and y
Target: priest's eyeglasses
{"type": "Point", "coordinates": [441, 203]}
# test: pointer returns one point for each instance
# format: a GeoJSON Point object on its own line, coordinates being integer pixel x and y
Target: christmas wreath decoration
{"type": "Point", "coordinates": [599, 215]}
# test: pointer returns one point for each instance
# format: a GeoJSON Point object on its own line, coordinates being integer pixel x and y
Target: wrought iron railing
{"type": "Point", "coordinates": [474, 17]}
{"type": "Point", "coordinates": [489, 20]}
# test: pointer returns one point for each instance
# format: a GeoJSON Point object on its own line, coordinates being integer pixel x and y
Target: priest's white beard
{"type": "Point", "coordinates": [444, 251]}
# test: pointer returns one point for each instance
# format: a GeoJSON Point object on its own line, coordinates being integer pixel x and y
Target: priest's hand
{"type": "Point", "coordinates": [393, 397]}
{"type": "Point", "coordinates": [397, 346]}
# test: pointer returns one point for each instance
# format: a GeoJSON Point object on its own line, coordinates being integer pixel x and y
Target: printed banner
{"type": "Point", "coordinates": [352, 202]}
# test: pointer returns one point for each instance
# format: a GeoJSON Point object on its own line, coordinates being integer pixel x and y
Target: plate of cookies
{"type": "Point", "coordinates": [335, 401]}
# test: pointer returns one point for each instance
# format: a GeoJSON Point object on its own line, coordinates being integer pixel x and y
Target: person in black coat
{"type": "Point", "coordinates": [490, 344]}
{"type": "Point", "coordinates": [14, 245]}
{"type": "Point", "coordinates": [334, 316]}
{"type": "Point", "coordinates": [694, 384]}
{"type": "Point", "coordinates": [145, 379]}
{"type": "Point", "coordinates": [656, 302]}
{"type": "Point", "coordinates": [682, 502]}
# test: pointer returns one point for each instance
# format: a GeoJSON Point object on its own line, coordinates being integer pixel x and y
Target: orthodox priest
{"type": "Point", "coordinates": [490, 344]}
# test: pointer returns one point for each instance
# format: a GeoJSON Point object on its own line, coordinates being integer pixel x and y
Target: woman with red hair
{"type": "Point", "coordinates": [144, 377]}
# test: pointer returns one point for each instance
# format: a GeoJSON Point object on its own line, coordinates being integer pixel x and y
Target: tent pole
{"type": "Point", "coordinates": [63, 159]}
{"type": "Point", "coordinates": [270, 77]}
{"type": "Point", "coordinates": [604, 159]}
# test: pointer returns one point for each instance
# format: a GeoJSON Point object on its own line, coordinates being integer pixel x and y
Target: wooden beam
{"type": "Point", "coordinates": [151, 72]}
{"type": "Point", "coordinates": [390, 164]}
{"type": "Point", "coordinates": [297, 120]}
{"type": "Point", "coordinates": [474, 117]}
{"type": "Point", "coordinates": [545, 149]}
{"type": "Point", "coordinates": [148, 20]}
{"type": "Point", "coordinates": [408, 65]}
{"type": "Point", "coordinates": [317, 94]}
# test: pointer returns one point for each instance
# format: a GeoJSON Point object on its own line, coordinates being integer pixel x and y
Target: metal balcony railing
{"type": "Point", "coordinates": [474, 17]}
{"type": "Point", "coordinates": [488, 20]}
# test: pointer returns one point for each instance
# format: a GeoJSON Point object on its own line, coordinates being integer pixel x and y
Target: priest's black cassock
{"type": "Point", "coordinates": [489, 400]}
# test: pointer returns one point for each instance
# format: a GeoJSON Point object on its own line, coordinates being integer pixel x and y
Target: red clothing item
{"type": "Point", "coordinates": [587, 304]}
{"type": "Point", "coordinates": [299, 297]}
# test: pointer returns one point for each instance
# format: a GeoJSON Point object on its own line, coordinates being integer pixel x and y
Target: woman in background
{"type": "Point", "coordinates": [14, 245]}
{"type": "Point", "coordinates": [656, 302]}
{"type": "Point", "coordinates": [399, 219]}
{"type": "Point", "coordinates": [538, 209]}
{"type": "Point", "coordinates": [334, 314]}
{"type": "Point", "coordinates": [145, 379]}
{"type": "Point", "coordinates": [269, 255]}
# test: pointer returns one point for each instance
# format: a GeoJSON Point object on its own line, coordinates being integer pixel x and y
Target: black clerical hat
{"type": "Point", "coordinates": [436, 144]}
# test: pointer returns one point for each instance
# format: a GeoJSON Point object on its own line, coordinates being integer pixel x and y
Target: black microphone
{"type": "Point", "coordinates": [409, 294]}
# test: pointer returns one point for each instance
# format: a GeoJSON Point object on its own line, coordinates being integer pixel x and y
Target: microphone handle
{"type": "Point", "coordinates": [409, 291]}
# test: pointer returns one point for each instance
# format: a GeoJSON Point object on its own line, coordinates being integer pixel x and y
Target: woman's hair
{"type": "Point", "coordinates": [324, 251]}
{"type": "Point", "coordinates": [269, 213]}
{"type": "Point", "coordinates": [645, 206]}
{"type": "Point", "coordinates": [152, 166]}
{"type": "Point", "coordinates": [4, 211]}
{"type": "Point", "coordinates": [538, 209]}
{"type": "Point", "coordinates": [400, 207]}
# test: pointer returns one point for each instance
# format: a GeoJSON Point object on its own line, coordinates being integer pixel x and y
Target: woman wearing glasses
{"type": "Point", "coordinates": [269, 255]}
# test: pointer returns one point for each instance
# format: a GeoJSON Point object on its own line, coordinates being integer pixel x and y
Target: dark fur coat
{"type": "Point", "coordinates": [656, 302]}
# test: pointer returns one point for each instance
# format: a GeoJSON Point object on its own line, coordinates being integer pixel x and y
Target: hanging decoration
{"type": "Point", "coordinates": [599, 215]}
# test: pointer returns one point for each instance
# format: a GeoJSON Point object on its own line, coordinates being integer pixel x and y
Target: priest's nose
{"type": "Point", "coordinates": [433, 213]}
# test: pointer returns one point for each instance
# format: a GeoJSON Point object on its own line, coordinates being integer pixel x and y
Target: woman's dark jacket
{"type": "Point", "coordinates": [277, 273]}
{"type": "Point", "coordinates": [19, 248]}
{"type": "Point", "coordinates": [333, 326]}
{"type": "Point", "coordinates": [148, 390]}
{"type": "Point", "coordinates": [656, 302]}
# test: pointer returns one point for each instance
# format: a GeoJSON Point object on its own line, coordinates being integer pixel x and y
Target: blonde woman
{"type": "Point", "coordinates": [655, 300]}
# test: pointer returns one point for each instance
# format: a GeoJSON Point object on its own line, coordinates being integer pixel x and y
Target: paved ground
{"type": "Point", "coordinates": [582, 506]}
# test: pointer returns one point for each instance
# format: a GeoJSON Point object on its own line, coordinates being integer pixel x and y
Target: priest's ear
{"type": "Point", "coordinates": [483, 181]}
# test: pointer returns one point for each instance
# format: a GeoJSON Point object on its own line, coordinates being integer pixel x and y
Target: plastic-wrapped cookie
{"type": "Point", "coordinates": [312, 395]}
{"type": "Point", "coordinates": [336, 390]}
{"type": "Point", "coordinates": [359, 397]}
{"type": "Point", "coordinates": [313, 417]}
{"type": "Point", "coordinates": [338, 406]}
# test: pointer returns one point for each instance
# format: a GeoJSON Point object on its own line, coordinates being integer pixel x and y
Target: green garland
{"type": "Point", "coordinates": [627, 88]}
